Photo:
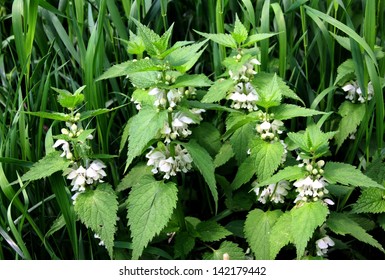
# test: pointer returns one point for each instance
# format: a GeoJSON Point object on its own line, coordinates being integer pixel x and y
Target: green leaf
{"type": "Point", "coordinates": [252, 39]}
{"type": "Point", "coordinates": [45, 167]}
{"type": "Point", "coordinates": [224, 154]}
{"type": "Point", "coordinates": [376, 171]}
{"type": "Point", "coordinates": [289, 111]}
{"type": "Point", "coordinates": [352, 115]}
{"type": "Point", "coordinates": [97, 209]}
{"type": "Point", "coordinates": [52, 116]}
{"type": "Point", "coordinates": [267, 157]}
{"type": "Point", "coordinates": [381, 221]}
{"type": "Point", "coordinates": [187, 55]}
{"type": "Point", "coordinates": [257, 230]}
{"type": "Point", "coordinates": [222, 39]}
{"type": "Point", "coordinates": [226, 247]}
{"type": "Point", "coordinates": [305, 219]}
{"type": "Point", "coordinates": [244, 174]}
{"type": "Point", "coordinates": [370, 201]}
{"type": "Point", "coordinates": [133, 177]}
{"type": "Point", "coordinates": [341, 224]}
{"type": "Point", "coordinates": [208, 136]}
{"type": "Point", "coordinates": [289, 173]}
{"type": "Point", "coordinates": [346, 174]}
{"type": "Point", "coordinates": [68, 100]}
{"type": "Point", "coordinates": [144, 79]}
{"type": "Point", "coordinates": [281, 234]}
{"type": "Point", "coordinates": [197, 80]}
{"type": "Point", "coordinates": [184, 243]}
{"type": "Point", "coordinates": [135, 45]}
{"type": "Point", "coordinates": [218, 90]}
{"type": "Point", "coordinates": [263, 79]}
{"type": "Point", "coordinates": [92, 113]}
{"type": "Point", "coordinates": [130, 67]}
{"type": "Point", "coordinates": [143, 128]}
{"type": "Point", "coordinates": [149, 38]}
{"type": "Point", "coordinates": [270, 94]}
{"type": "Point", "coordinates": [345, 72]}
{"type": "Point", "coordinates": [240, 32]}
{"type": "Point", "coordinates": [210, 231]}
{"type": "Point", "coordinates": [203, 161]}
{"type": "Point", "coordinates": [240, 141]}
{"type": "Point", "coordinates": [150, 206]}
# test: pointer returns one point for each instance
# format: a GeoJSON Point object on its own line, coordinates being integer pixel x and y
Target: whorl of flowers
{"type": "Point", "coordinates": [354, 92]}
{"type": "Point", "coordinates": [274, 192]}
{"type": "Point", "coordinates": [313, 187]}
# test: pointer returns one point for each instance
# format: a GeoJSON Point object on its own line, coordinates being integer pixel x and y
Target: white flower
{"type": "Point", "coordinates": [310, 189]}
{"type": "Point", "coordinates": [101, 243]}
{"type": "Point", "coordinates": [273, 192]}
{"type": "Point", "coordinates": [244, 97]}
{"type": "Point", "coordinates": [180, 123]}
{"type": "Point", "coordinates": [95, 172]}
{"type": "Point", "coordinates": [246, 71]}
{"type": "Point", "coordinates": [78, 177]}
{"type": "Point", "coordinates": [355, 92]}
{"type": "Point", "coordinates": [159, 95]}
{"type": "Point", "coordinates": [174, 96]}
{"type": "Point", "coordinates": [323, 244]}
{"type": "Point", "coordinates": [65, 146]}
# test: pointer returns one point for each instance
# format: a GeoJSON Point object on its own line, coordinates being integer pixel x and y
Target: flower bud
{"type": "Point", "coordinates": [69, 156]}
{"type": "Point", "coordinates": [238, 57]}
{"type": "Point", "coordinates": [314, 171]}
{"type": "Point", "coordinates": [74, 127]}
{"type": "Point", "coordinates": [321, 163]}
{"type": "Point", "coordinates": [64, 131]}
{"type": "Point", "coordinates": [309, 167]}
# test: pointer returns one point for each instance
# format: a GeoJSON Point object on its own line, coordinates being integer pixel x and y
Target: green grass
{"type": "Point", "coordinates": [69, 46]}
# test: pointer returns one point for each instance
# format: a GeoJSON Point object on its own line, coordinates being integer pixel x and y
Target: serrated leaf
{"type": "Point", "coordinates": [129, 68]}
{"type": "Point", "coordinates": [144, 79]}
{"type": "Point", "coordinates": [197, 80]}
{"type": "Point", "coordinates": [240, 141]}
{"type": "Point", "coordinates": [244, 174]}
{"type": "Point", "coordinates": [68, 100]}
{"type": "Point", "coordinates": [376, 171]}
{"type": "Point", "coordinates": [263, 79]}
{"type": "Point", "coordinates": [289, 111]}
{"type": "Point", "coordinates": [184, 243]}
{"type": "Point", "coordinates": [257, 230]}
{"type": "Point", "coordinates": [210, 231]}
{"type": "Point", "coordinates": [149, 38]}
{"type": "Point", "coordinates": [143, 128]}
{"type": "Point", "coordinates": [135, 45]}
{"type": "Point", "coordinates": [345, 72]}
{"type": "Point", "coordinates": [208, 136]}
{"type": "Point", "coordinates": [252, 39]}
{"type": "Point", "coordinates": [352, 115]}
{"type": "Point", "coordinates": [183, 55]}
{"type": "Point", "coordinates": [240, 32]}
{"type": "Point", "coordinates": [222, 39]}
{"type": "Point", "coordinates": [133, 177]}
{"type": "Point", "coordinates": [224, 154]}
{"type": "Point", "coordinates": [97, 209]}
{"type": "Point", "coordinates": [346, 174]}
{"type": "Point", "coordinates": [289, 173]}
{"type": "Point", "coordinates": [218, 90]}
{"type": "Point", "coordinates": [267, 157]}
{"type": "Point", "coordinates": [341, 224]}
{"type": "Point", "coordinates": [305, 220]}
{"type": "Point", "coordinates": [226, 247]}
{"type": "Point", "coordinates": [203, 161]}
{"type": "Point", "coordinates": [270, 94]}
{"type": "Point", "coordinates": [240, 201]}
{"type": "Point", "coordinates": [150, 206]}
{"type": "Point", "coordinates": [370, 201]}
{"type": "Point", "coordinates": [281, 234]}
{"type": "Point", "coordinates": [45, 167]}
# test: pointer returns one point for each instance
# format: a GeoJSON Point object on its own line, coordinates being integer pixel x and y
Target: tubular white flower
{"type": "Point", "coordinates": [354, 92]}
{"type": "Point", "coordinates": [95, 172]}
{"type": "Point", "coordinates": [323, 244]}
{"type": "Point", "coordinates": [244, 97]}
{"type": "Point", "coordinates": [274, 192]}
{"type": "Point", "coordinates": [159, 95]}
{"type": "Point", "coordinates": [65, 146]}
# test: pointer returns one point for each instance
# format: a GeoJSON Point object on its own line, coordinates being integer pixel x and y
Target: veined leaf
{"type": "Point", "coordinates": [252, 39]}
{"type": "Point", "coordinates": [224, 154]}
{"type": "Point", "coordinates": [210, 231]}
{"type": "Point", "coordinates": [281, 234]}
{"type": "Point", "coordinates": [270, 94]}
{"type": "Point", "coordinates": [184, 55]}
{"type": "Point", "coordinates": [149, 38]}
{"type": "Point", "coordinates": [135, 45]}
{"type": "Point", "coordinates": [184, 243]}
{"type": "Point", "coordinates": [240, 141]}
{"type": "Point", "coordinates": [222, 39]}
{"type": "Point", "coordinates": [143, 128]}
{"type": "Point", "coordinates": [352, 115]}
{"type": "Point", "coordinates": [257, 230]}
{"type": "Point", "coordinates": [97, 209]}
{"type": "Point", "coordinates": [244, 174]}
{"type": "Point", "coordinates": [289, 173]}
{"type": "Point", "coordinates": [231, 249]}
{"type": "Point", "coordinates": [267, 157]}
{"type": "Point", "coordinates": [130, 67]}
{"type": "Point", "coordinates": [208, 136]}
{"type": "Point", "coordinates": [197, 80]}
{"type": "Point", "coordinates": [218, 90]}
{"type": "Point", "coordinates": [289, 111]}
{"type": "Point", "coordinates": [345, 72]}
{"type": "Point", "coordinates": [203, 161]}
{"type": "Point", "coordinates": [144, 79]}
{"type": "Point", "coordinates": [150, 206]}
{"type": "Point", "coordinates": [240, 32]}
{"type": "Point", "coordinates": [305, 219]}
{"type": "Point", "coordinates": [370, 201]}
{"type": "Point", "coordinates": [340, 223]}
{"type": "Point", "coordinates": [376, 171]}
{"type": "Point", "coordinates": [45, 167]}
{"type": "Point", "coordinates": [133, 177]}
{"type": "Point", "coordinates": [69, 100]}
{"type": "Point", "coordinates": [346, 174]}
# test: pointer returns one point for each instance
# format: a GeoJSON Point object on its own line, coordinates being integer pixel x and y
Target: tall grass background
{"type": "Point", "coordinates": [67, 44]}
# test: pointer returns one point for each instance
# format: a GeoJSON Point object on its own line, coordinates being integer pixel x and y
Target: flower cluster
{"type": "Point", "coordinates": [354, 92]}
{"type": "Point", "coordinates": [162, 160]}
{"type": "Point", "coordinates": [246, 71]}
{"type": "Point", "coordinates": [80, 175]}
{"type": "Point", "coordinates": [323, 244]}
{"type": "Point", "coordinates": [313, 187]}
{"type": "Point", "coordinates": [274, 192]}
{"type": "Point", "coordinates": [244, 96]}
